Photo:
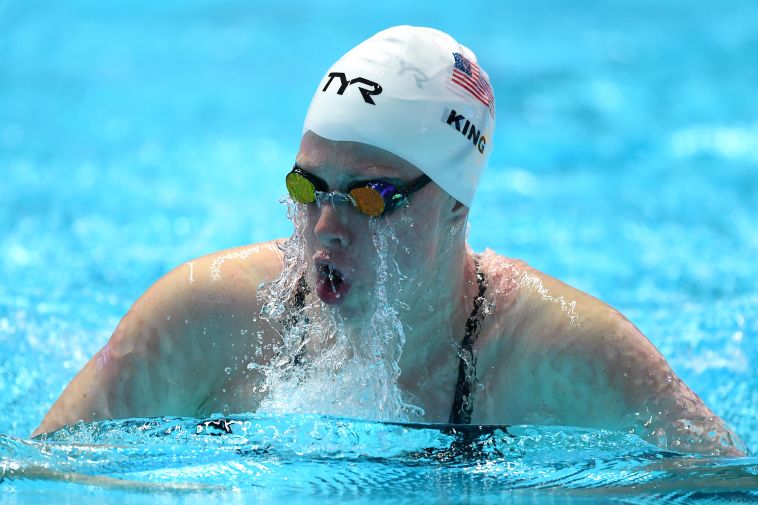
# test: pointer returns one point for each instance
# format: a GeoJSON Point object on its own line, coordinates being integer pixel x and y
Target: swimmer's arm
{"type": "Point", "coordinates": [661, 408]}
{"type": "Point", "coordinates": [601, 371]}
{"type": "Point", "coordinates": [175, 349]}
{"type": "Point", "coordinates": [132, 375]}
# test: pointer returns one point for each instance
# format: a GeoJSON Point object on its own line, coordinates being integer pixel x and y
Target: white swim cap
{"type": "Point", "coordinates": [417, 93]}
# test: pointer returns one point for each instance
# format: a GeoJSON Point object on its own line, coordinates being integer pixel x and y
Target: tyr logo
{"type": "Point", "coordinates": [344, 83]}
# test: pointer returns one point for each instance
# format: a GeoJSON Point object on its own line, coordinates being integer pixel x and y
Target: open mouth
{"type": "Point", "coordinates": [331, 284]}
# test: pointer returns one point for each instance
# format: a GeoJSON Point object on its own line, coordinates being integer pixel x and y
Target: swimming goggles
{"type": "Point", "coordinates": [373, 198]}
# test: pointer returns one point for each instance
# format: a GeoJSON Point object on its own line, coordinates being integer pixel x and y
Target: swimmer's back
{"type": "Point", "coordinates": [184, 346]}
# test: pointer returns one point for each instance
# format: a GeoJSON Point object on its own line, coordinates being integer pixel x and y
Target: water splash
{"type": "Point", "coordinates": [321, 364]}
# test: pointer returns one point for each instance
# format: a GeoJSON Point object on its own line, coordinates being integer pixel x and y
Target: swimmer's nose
{"type": "Point", "coordinates": [332, 228]}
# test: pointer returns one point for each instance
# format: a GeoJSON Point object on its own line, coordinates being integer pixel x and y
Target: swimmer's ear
{"type": "Point", "coordinates": [459, 212]}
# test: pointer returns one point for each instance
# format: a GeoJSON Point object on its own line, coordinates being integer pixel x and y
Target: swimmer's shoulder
{"type": "Point", "coordinates": [225, 276]}
{"type": "Point", "coordinates": [525, 297]}
{"type": "Point", "coordinates": [183, 347]}
{"type": "Point", "coordinates": [210, 292]}
{"type": "Point", "coordinates": [253, 262]}
{"type": "Point", "coordinates": [536, 316]}
{"type": "Point", "coordinates": [555, 351]}
{"type": "Point", "coordinates": [199, 316]}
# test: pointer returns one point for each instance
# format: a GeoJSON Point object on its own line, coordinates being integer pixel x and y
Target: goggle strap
{"type": "Point", "coordinates": [416, 184]}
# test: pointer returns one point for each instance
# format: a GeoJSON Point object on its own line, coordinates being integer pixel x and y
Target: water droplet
{"type": "Point", "coordinates": [228, 370]}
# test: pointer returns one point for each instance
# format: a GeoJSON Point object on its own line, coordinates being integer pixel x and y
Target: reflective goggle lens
{"type": "Point", "coordinates": [368, 200]}
{"type": "Point", "coordinates": [300, 189]}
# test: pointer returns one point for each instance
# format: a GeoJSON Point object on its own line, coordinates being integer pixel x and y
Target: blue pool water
{"type": "Point", "coordinates": [136, 136]}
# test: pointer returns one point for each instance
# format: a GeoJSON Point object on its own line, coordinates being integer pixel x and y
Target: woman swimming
{"type": "Point", "coordinates": [400, 318]}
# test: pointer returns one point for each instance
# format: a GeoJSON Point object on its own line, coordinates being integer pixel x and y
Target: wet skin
{"type": "Point", "coordinates": [547, 354]}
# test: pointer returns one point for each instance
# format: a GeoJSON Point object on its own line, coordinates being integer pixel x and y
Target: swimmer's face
{"type": "Point", "coordinates": [338, 240]}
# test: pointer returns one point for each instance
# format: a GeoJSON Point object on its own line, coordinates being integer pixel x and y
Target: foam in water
{"type": "Point", "coordinates": [322, 365]}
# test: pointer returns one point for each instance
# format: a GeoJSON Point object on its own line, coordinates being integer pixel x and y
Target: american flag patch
{"type": "Point", "coordinates": [470, 77]}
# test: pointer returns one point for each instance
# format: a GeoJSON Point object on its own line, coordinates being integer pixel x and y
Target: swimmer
{"type": "Point", "coordinates": [397, 135]}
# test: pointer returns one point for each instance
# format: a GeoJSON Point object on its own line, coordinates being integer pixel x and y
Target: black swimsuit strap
{"type": "Point", "coordinates": [463, 403]}
{"type": "Point", "coordinates": [297, 307]}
